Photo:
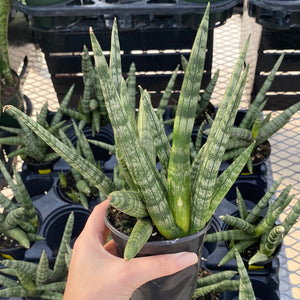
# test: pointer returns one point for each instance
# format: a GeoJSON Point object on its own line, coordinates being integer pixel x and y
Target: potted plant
{"type": "Point", "coordinates": [39, 280]}
{"type": "Point", "coordinates": [19, 219]}
{"type": "Point", "coordinates": [38, 157]}
{"type": "Point", "coordinates": [91, 108]}
{"type": "Point", "coordinates": [254, 127]}
{"type": "Point", "coordinates": [173, 198]}
{"type": "Point", "coordinates": [10, 84]}
{"type": "Point", "coordinates": [72, 186]}
{"type": "Point", "coordinates": [258, 230]}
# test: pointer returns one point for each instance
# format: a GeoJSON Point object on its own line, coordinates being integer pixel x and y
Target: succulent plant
{"type": "Point", "coordinates": [180, 199]}
{"type": "Point", "coordinates": [255, 128]}
{"type": "Point", "coordinates": [253, 228]}
{"type": "Point", "coordinates": [91, 107]}
{"type": "Point", "coordinates": [5, 70]}
{"type": "Point", "coordinates": [216, 282]}
{"type": "Point", "coordinates": [29, 279]}
{"type": "Point", "coordinates": [30, 145]}
{"type": "Point", "coordinates": [83, 190]}
{"type": "Point", "coordinates": [222, 281]}
{"type": "Point", "coordinates": [19, 219]}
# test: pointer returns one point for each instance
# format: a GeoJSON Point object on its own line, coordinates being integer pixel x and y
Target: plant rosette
{"type": "Point", "coordinates": [70, 194]}
{"type": "Point", "coordinates": [177, 286]}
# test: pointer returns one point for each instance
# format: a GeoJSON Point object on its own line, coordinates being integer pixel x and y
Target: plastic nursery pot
{"type": "Point", "coordinates": [177, 286]}
{"type": "Point", "coordinates": [39, 167]}
{"type": "Point", "coordinates": [251, 190]}
{"type": "Point", "coordinates": [11, 95]}
{"type": "Point", "coordinates": [250, 251]}
{"type": "Point", "coordinates": [264, 287]}
{"type": "Point", "coordinates": [56, 221]}
{"type": "Point", "coordinates": [50, 22]}
{"type": "Point", "coordinates": [37, 184]}
{"type": "Point", "coordinates": [105, 135]}
{"type": "Point", "coordinates": [92, 201]}
{"type": "Point", "coordinates": [209, 248]}
{"type": "Point", "coordinates": [13, 253]}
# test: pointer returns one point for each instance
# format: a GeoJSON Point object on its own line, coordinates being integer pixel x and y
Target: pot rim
{"type": "Point", "coordinates": [163, 242]}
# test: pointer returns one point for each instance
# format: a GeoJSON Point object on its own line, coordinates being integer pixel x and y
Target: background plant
{"type": "Point", "coordinates": [181, 199]}
{"type": "Point", "coordinates": [19, 219]}
{"type": "Point", "coordinates": [83, 190]}
{"type": "Point", "coordinates": [30, 145]}
{"type": "Point", "coordinates": [29, 279]}
{"type": "Point", "coordinates": [253, 228]}
{"type": "Point", "coordinates": [253, 126]}
{"type": "Point", "coordinates": [91, 107]}
{"type": "Point", "coordinates": [6, 74]}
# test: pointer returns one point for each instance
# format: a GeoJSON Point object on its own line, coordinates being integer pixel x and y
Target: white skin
{"type": "Point", "coordinates": [97, 273]}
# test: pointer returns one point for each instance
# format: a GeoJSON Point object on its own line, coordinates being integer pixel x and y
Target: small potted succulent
{"type": "Point", "coordinates": [91, 107]}
{"type": "Point", "coordinates": [215, 283]}
{"type": "Point", "coordinates": [37, 156]}
{"type": "Point", "coordinates": [254, 127]}
{"type": "Point", "coordinates": [256, 233]}
{"type": "Point", "coordinates": [169, 203]}
{"type": "Point", "coordinates": [10, 84]}
{"type": "Point", "coordinates": [40, 280]}
{"type": "Point", "coordinates": [72, 186]}
{"type": "Point", "coordinates": [19, 219]}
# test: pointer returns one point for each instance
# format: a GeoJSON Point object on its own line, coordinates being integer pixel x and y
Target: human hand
{"type": "Point", "coordinates": [97, 273]}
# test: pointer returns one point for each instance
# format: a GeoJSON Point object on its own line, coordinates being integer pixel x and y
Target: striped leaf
{"type": "Point", "coordinates": [146, 177]}
{"type": "Point", "coordinates": [215, 147]}
{"type": "Point", "coordinates": [166, 95]}
{"type": "Point", "coordinates": [88, 170]}
{"type": "Point", "coordinates": [179, 195]}
{"type": "Point", "coordinates": [161, 142]}
{"type": "Point", "coordinates": [258, 103]}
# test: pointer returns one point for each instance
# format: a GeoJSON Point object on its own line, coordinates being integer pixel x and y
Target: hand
{"type": "Point", "coordinates": [97, 273]}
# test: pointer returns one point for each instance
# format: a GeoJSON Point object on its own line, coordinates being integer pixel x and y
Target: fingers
{"type": "Point", "coordinates": [95, 225]}
{"type": "Point", "coordinates": [148, 268]}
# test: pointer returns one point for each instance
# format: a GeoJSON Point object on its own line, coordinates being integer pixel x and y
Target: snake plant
{"type": "Point", "coordinates": [82, 190]}
{"type": "Point", "coordinates": [5, 71]}
{"type": "Point", "coordinates": [214, 283]}
{"type": "Point", "coordinates": [30, 145]}
{"type": "Point", "coordinates": [250, 228]}
{"type": "Point", "coordinates": [222, 282]}
{"type": "Point", "coordinates": [180, 199]}
{"type": "Point", "coordinates": [19, 219]}
{"type": "Point", "coordinates": [38, 280]}
{"type": "Point", "coordinates": [91, 107]}
{"type": "Point", "coordinates": [253, 126]}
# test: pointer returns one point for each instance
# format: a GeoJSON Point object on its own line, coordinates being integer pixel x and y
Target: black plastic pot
{"type": "Point", "coordinates": [105, 135]}
{"type": "Point", "coordinates": [39, 167]}
{"type": "Point", "coordinates": [58, 189]}
{"type": "Point", "coordinates": [251, 190]}
{"type": "Point", "coordinates": [55, 224]}
{"type": "Point", "coordinates": [177, 286]}
{"type": "Point", "coordinates": [13, 253]}
{"type": "Point", "coordinates": [210, 247]}
{"type": "Point", "coordinates": [265, 288]}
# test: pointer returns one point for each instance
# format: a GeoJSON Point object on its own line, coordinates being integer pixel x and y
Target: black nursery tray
{"type": "Point", "coordinates": [275, 13]}
{"type": "Point", "coordinates": [141, 7]}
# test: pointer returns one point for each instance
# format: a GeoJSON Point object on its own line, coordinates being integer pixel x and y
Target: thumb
{"type": "Point", "coordinates": [148, 268]}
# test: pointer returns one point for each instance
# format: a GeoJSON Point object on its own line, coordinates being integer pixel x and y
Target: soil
{"type": "Point", "coordinates": [211, 296]}
{"type": "Point", "coordinates": [7, 243]}
{"type": "Point", "coordinates": [261, 152]}
{"type": "Point", "coordinates": [124, 224]}
{"type": "Point", "coordinates": [210, 110]}
{"type": "Point", "coordinates": [71, 184]}
{"type": "Point", "coordinates": [8, 91]}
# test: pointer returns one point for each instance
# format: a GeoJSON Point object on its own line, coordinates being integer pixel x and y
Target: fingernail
{"type": "Point", "coordinates": [186, 259]}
